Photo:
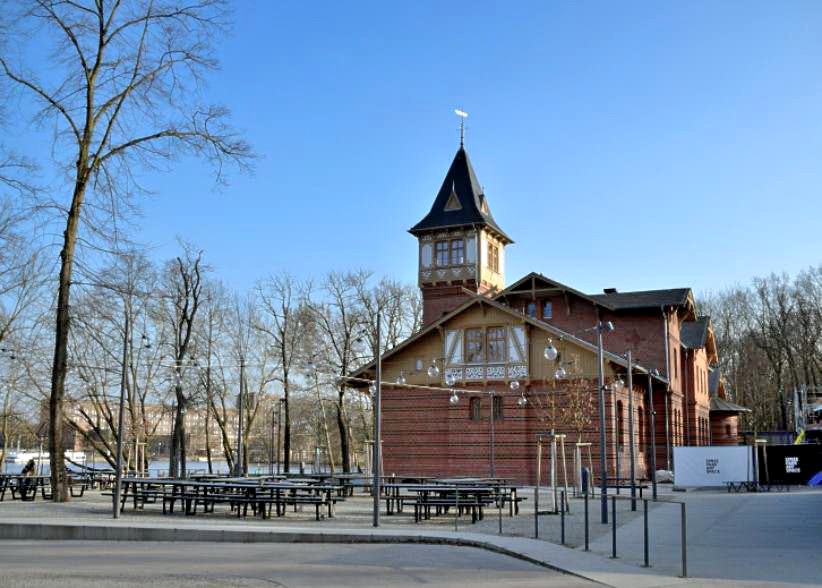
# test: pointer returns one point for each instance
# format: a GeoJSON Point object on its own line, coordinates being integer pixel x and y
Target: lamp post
{"type": "Point", "coordinates": [651, 374]}
{"type": "Point", "coordinates": [376, 470]}
{"type": "Point", "coordinates": [279, 429]}
{"type": "Point", "coordinates": [238, 468]}
{"type": "Point", "coordinates": [603, 473]}
{"type": "Point", "coordinates": [121, 410]}
{"type": "Point", "coordinates": [631, 451]}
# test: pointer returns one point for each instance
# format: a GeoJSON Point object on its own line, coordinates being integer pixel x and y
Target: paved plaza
{"type": "Point", "coordinates": [765, 539]}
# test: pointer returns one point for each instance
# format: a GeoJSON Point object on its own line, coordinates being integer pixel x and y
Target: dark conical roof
{"type": "Point", "coordinates": [459, 202]}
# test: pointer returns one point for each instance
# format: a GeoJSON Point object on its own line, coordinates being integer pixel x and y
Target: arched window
{"type": "Point", "coordinates": [640, 419]}
{"type": "Point", "coordinates": [620, 416]}
{"type": "Point", "coordinates": [475, 408]}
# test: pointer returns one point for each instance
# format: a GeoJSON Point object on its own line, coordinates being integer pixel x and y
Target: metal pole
{"type": "Point", "coordinates": [562, 519]}
{"type": "Point", "coordinates": [645, 528]}
{"type": "Point", "coordinates": [118, 482]}
{"type": "Point", "coordinates": [667, 432]}
{"type": "Point", "coordinates": [279, 429]}
{"type": "Point", "coordinates": [632, 452]}
{"type": "Point", "coordinates": [603, 472]}
{"type": "Point", "coordinates": [684, 544]}
{"type": "Point", "coordinates": [653, 432]}
{"type": "Point", "coordinates": [238, 468]}
{"type": "Point", "coordinates": [271, 445]}
{"type": "Point", "coordinates": [586, 519]}
{"type": "Point", "coordinates": [613, 527]}
{"type": "Point", "coordinates": [499, 506]}
{"type": "Point", "coordinates": [493, 440]}
{"type": "Point", "coordinates": [377, 426]}
{"type": "Point", "coordinates": [536, 487]}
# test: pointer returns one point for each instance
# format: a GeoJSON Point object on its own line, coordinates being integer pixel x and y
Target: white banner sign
{"type": "Point", "coordinates": [712, 466]}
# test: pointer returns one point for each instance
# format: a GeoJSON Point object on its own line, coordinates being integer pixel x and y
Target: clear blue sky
{"type": "Point", "coordinates": [634, 145]}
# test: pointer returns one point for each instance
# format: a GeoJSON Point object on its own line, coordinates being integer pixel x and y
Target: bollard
{"type": "Point", "coordinates": [613, 527]}
{"type": "Point", "coordinates": [684, 545]}
{"type": "Point", "coordinates": [645, 525]}
{"type": "Point", "coordinates": [500, 500]}
{"type": "Point", "coordinates": [586, 519]}
{"type": "Point", "coordinates": [562, 519]}
{"type": "Point", "coordinates": [457, 510]}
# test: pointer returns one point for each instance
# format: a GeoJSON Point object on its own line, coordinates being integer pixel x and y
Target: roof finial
{"type": "Point", "coordinates": [463, 115]}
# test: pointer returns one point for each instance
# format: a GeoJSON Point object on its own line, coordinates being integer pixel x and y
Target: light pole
{"type": "Point", "coordinates": [279, 429]}
{"type": "Point", "coordinates": [238, 468]}
{"type": "Point", "coordinates": [121, 410]}
{"type": "Point", "coordinates": [631, 453]}
{"type": "Point", "coordinates": [603, 472]}
{"type": "Point", "coordinates": [651, 374]}
{"type": "Point", "coordinates": [376, 470]}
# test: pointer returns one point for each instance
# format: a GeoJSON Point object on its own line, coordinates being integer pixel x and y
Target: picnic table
{"type": "Point", "coordinates": [440, 496]}
{"type": "Point", "coordinates": [239, 493]}
{"type": "Point", "coordinates": [23, 487]}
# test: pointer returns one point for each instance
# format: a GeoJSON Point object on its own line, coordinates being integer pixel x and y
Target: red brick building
{"type": "Point", "coordinates": [481, 337]}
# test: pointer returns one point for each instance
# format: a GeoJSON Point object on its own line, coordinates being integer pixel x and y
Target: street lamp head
{"type": "Point", "coordinates": [433, 369]}
{"type": "Point", "coordinates": [522, 401]}
{"type": "Point", "coordinates": [454, 398]}
{"type": "Point", "coordinates": [560, 373]}
{"type": "Point", "coordinates": [514, 385]}
{"type": "Point", "coordinates": [608, 326]}
{"type": "Point", "coordinates": [619, 384]}
{"type": "Point", "coordinates": [550, 352]}
{"type": "Point", "coordinates": [401, 380]}
{"type": "Point", "coordinates": [449, 380]}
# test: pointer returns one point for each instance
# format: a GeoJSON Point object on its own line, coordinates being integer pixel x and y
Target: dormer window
{"type": "Point", "coordinates": [493, 257]}
{"type": "Point", "coordinates": [441, 253]}
{"type": "Point", "coordinates": [457, 251]}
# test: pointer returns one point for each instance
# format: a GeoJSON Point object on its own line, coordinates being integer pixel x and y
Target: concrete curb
{"type": "Point", "coordinates": [19, 530]}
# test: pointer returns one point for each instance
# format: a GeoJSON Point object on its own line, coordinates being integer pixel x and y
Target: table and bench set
{"type": "Point", "coordinates": [25, 488]}
{"type": "Point", "coordinates": [437, 496]}
{"type": "Point", "coordinates": [262, 495]}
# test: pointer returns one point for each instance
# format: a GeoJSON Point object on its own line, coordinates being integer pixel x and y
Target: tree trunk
{"type": "Point", "coordinates": [60, 364]}
{"type": "Point", "coordinates": [286, 432]}
{"type": "Point", "coordinates": [342, 425]}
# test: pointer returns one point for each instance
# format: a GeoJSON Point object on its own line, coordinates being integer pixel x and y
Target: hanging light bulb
{"type": "Point", "coordinates": [619, 384]}
{"type": "Point", "coordinates": [401, 378]}
{"type": "Point", "coordinates": [550, 352]}
{"type": "Point", "coordinates": [522, 401]}
{"type": "Point", "coordinates": [433, 370]}
{"type": "Point", "coordinates": [514, 385]}
{"type": "Point", "coordinates": [454, 398]}
{"type": "Point", "coordinates": [560, 373]}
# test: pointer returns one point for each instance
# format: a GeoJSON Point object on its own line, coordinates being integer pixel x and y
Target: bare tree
{"type": "Point", "coordinates": [284, 319]}
{"type": "Point", "coordinates": [123, 95]}
{"type": "Point", "coordinates": [184, 277]}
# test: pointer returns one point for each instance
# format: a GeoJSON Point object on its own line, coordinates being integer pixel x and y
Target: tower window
{"type": "Point", "coordinates": [497, 407]}
{"type": "Point", "coordinates": [547, 310]}
{"type": "Point", "coordinates": [496, 344]}
{"type": "Point", "coordinates": [475, 408]}
{"type": "Point", "coordinates": [473, 345]}
{"type": "Point", "coordinates": [493, 257]}
{"type": "Point", "coordinates": [457, 252]}
{"type": "Point", "coordinates": [441, 252]}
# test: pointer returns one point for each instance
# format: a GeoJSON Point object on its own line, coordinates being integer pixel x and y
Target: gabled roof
{"type": "Point", "coordinates": [694, 334]}
{"type": "Point", "coordinates": [459, 202]}
{"type": "Point", "coordinates": [479, 299]}
{"type": "Point", "coordinates": [645, 298]}
{"type": "Point", "coordinates": [535, 281]}
{"type": "Point", "coordinates": [722, 405]}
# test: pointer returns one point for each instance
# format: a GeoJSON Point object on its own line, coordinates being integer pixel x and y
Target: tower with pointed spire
{"type": "Point", "coordinates": [461, 247]}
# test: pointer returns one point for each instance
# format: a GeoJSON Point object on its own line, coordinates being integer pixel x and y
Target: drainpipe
{"type": "Point", "coordinates": [667, 391]}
